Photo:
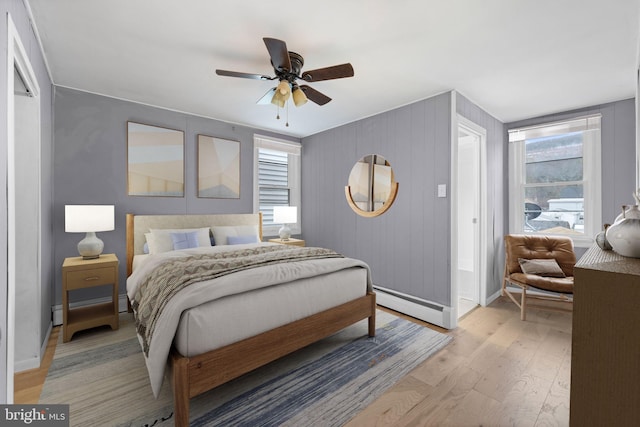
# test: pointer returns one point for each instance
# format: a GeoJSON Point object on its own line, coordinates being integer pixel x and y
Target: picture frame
{"type": "Point", "coordinates": [155, 161]}
{"type": "Point", "coordinates": [218, 168]}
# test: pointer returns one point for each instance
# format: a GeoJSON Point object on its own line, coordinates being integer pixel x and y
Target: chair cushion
{"type": "Point", "coordinates": [541, 267]}
{"type": "Point", "coordinates": [523, 246]}
{"type": "Point", "coordinates": [556, 284]}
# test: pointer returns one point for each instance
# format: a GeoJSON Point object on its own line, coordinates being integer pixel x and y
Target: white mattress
{"type": "Point", "coordinates": [236, 317]}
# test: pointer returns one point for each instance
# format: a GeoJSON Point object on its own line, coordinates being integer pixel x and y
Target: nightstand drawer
{"type": "Point", "coordinates": [89, 278]}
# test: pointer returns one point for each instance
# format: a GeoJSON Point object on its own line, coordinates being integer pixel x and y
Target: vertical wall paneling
{"type": "Point", "coordinates": [407, 247]}
{"type": "Point", "coordinates": [90, 167]}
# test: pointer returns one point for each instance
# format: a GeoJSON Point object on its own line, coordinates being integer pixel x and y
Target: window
{"type": "Point", "coordinates": [554, 179]}
{"type": "Point", "coordinates": [276, 180]}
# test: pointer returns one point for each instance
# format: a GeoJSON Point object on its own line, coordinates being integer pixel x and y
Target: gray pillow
{"type": "Point", "coordinates": [541, 267]}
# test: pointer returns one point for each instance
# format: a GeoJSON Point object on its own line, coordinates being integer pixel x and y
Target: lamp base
{"type": "Point", "coordinates": [284, 233]}
{"type": "Point", "coordinates": [91, 246]}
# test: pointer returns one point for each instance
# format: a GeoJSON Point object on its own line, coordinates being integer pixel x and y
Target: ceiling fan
{"type": "Point", "coordinates": [287, 66]}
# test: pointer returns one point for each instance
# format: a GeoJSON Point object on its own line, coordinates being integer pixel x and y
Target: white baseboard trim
{"type": "Point", "coordinates": [492, 298]}
{"type": "Point", "coordinates": [415, 307]}
{"type": "Point", "coordinates": [57, 309]}
{"type": "Point", "coordinates": [43, 348]}
{"type": "Point", "coordinates": [33, 362]}
{"type": "Point", "coordinates": [25, 365]}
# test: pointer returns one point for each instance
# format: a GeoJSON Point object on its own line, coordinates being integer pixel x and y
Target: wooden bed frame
{"type": "Point", "coordinates": [194, 375]}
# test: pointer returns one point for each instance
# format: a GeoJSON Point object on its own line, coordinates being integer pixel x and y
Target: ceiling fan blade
{"type": "Point", "coordinates": [315, 96]}
{"type": "Point", "coordinates": [328, 73]}
{"type": "Point", "coordinates": [278, 53]}
{"type": "Point", "coordinates": [266, 98]}
{"type": "Point", "coordinates": [243, 75]}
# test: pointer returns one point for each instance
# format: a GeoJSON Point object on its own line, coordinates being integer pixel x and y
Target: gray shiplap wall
{"type": "Point", "coordinates": [407, 247]}
{"type": "Point", "coordinates": [90, 167]}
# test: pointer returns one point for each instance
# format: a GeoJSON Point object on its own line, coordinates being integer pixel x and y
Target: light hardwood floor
{"type": "Point", "coordinates": [497, 371]}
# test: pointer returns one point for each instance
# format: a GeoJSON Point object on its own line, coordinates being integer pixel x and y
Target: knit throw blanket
{"type": "Point", "coordinates": [175, 274]}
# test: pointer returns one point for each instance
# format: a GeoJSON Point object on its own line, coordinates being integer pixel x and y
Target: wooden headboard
{"type": "Point", "coordinates": [138, 225]}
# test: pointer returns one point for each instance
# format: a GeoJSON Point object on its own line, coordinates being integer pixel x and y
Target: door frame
{"type": "Point", "coordinates": [472, 127]}
{"type": "Point", "coordinates": [16, 58]}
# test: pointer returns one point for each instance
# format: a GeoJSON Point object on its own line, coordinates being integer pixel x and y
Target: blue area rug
{"type": "Point", "coordinates": [325, 384]}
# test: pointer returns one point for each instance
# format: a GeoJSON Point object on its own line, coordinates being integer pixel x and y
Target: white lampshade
{"type": "Point", "coordinates": [285, 215]}
{"type": "Point", "coordinates": [89, 219]}
{"type": "Point", "coordinates": [83, 218]}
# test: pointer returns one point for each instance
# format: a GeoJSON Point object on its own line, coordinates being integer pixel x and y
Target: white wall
{"type": "Point", "coordinates": [20, 17]}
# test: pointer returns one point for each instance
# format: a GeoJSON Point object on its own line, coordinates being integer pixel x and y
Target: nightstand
{"type": "Point", "coordinates": [291, 241]}
{"type": "Point", "coordinates": [82, 274]}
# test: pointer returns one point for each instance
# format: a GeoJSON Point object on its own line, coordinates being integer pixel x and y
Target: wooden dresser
{"type": "Point", "coordinates": [605, 355]}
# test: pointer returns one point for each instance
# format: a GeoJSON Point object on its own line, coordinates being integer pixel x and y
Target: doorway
{"type": "Point", "coordinates": [469, 216]}
{"type": "Point", "coordinates": [23, 297]}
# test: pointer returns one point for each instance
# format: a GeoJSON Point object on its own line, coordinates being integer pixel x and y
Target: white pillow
{"type": "Point", "coordinates": [220, 233]}
{"type": "Point", "coordinates": [160, 240]}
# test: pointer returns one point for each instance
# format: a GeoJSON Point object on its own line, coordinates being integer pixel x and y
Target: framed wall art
{"type": "Point", "coordinates": [155, 157]}
{"type": "Point", "coordinates": [218, 168]}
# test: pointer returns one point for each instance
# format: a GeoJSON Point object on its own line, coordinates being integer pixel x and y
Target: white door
{"type": "Point", "coordinates": [27, 226]}
{"type": "Point", "coordinates": [469, 215]}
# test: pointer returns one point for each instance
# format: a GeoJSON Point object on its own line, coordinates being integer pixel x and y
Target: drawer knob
{"type": "Point", "coordinates": [88, 279]}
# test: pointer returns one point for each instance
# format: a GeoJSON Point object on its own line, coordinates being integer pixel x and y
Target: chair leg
{"type": "Point", "coordinates": [504, 281]}
{"type": "Point", "coordinates": [523, 304]}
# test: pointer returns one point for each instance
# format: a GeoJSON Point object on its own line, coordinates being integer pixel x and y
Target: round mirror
{"type": "Point", "coordinates": [372, 187]}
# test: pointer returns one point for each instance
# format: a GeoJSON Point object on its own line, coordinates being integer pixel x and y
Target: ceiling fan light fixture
{"type": "Point", "coordinates": [299, 98]}
{"type": "Point", "coordinates": [282, 94]}
{"type": "Point", "coordinates": [284, 88]}
{"type": "Point", "coordinates": [279, 99]}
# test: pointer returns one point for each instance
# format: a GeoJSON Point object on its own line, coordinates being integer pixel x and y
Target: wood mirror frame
{"type": "Point", "coordinates": [362, 176]}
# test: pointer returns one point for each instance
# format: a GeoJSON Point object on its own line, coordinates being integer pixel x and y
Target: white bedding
{"type": "Point", "coordinates": [268, 308]}
{"type": "Point", "coordinates": [235, 313]}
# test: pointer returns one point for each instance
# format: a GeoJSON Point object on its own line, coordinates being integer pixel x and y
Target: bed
{"type": "Point", "coordinates": [224, 325]}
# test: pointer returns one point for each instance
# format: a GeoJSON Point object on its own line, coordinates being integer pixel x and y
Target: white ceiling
{"type": "Point", "coordinates": [515, 58]}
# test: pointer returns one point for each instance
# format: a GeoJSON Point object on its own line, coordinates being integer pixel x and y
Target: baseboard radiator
{"type": "Point", "coordinates": [415, 307]}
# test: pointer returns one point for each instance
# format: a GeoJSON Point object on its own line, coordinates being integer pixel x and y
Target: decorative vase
{"type": "Point", "coordinates": [628, 211]}
{"type": "Point", "coordinates": [624, 234]}
{"type": "Point", "coordinates": [601, 239]}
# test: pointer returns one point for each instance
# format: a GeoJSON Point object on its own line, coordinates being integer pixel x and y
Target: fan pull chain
{"type": "Point", "coordinates": [287, 115]}
{"type": "Point", "coordinates": [278, 112]}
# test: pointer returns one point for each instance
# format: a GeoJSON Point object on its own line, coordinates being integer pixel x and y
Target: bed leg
{"type": "Point", "coordinates": [372, 318]}
{"type": "Point", "coordinates": [372, 325]}
{"type": "Point", "coordinates": [180, 391]}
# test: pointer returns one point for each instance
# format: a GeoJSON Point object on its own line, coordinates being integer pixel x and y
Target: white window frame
{"type": "Point", "coordinates": [294, 150]}
{"type": "Point", "coordinates": [591, 168]}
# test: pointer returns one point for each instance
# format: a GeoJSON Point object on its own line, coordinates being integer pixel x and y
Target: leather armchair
{"type": "Point", "coordinates": [521, 248]}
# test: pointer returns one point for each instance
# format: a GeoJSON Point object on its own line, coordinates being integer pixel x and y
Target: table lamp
{"type": "Point", "coordinates": [285, 215]}
{"type": "Point", "coordinates": [89, 219]}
